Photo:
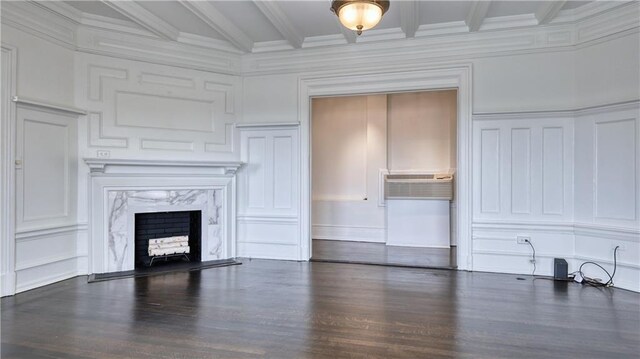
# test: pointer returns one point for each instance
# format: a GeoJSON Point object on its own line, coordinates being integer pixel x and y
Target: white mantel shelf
{"type": "Point", "coordinates": [98, 165]}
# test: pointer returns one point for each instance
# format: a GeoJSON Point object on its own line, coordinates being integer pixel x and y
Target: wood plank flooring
{"type": "Point", "coordinates": [380, 253]}
{"type": "Point", "coordinates": [279, 309]}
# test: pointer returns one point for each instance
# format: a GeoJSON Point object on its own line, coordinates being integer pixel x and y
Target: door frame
{"type": "Point", "coordinates": [443, 77]}
{"type": "Point", "coordinates": [7, 176]}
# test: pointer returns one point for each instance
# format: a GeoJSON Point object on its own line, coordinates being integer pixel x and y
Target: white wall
{"type": "Point", "coordinates": [349, 150]}
{"type": "Point", "coordinates": [47, 229]}
{"type": "Point", "coordinates": [522, 185]}
{"type": "Point", "coordinates": [525, 161]}
{"type": "Point", "coordinates": [422, 131]}
{"type": "Point", "coordinates": [45, 70]}
{"type": "Point", "coordinates": [269, 193]}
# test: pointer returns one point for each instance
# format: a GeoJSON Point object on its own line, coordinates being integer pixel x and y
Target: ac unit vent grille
{"type": "Point", "coordinates": [412, 186]}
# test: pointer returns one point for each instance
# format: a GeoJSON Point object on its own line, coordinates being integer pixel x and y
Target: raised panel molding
{"type": "Point", "coordinates": [226, 90]}
{"type": "Point", "coordinates": [615, 148]}
{"type": "Point", "coordinates": [46, 167]}
{"type": "Point", "coordinates": [96, 138]}
{"type": "Point", "coordinates": [153, 111]}
{"type": "Point", "coordinates": [97, 76]}
{"type": "Point", "coordinates": [521, 170]}
{"type": "Point", "coordinates": [552, 171]}
{"type": "Point", "coordinates": [44, 142]}
{"type": "Point", "coordinates": [156, 108]}
{"type": "Point", "coordinates": [490, 170]}
{"type": "Point", "coordinates": [164, 80]}
{"type": "Point", "coordinates": [268, 214]}
{"type": "Point", "coordinates": [525, 159]}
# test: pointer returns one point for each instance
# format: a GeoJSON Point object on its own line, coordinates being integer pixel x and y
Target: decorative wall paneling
{"type": "Point", "coordinates": [523, 168]}
{"type": "Point", "coordinates": [269, 192]}
{"type": "Point", "coordinates": [523, 179]}
{"type": "Point", "coordinates": [570, 158]}
{"type": "Point", "coordinates": [7, 173]}
{"type": "Point", "coordinates": [607, 189]}
{"type": "Point", "coordinates": [46, 222]}
{"type": "Point", "coordinates": [146, 111]}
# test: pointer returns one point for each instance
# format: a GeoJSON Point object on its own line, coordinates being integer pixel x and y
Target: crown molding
{"type": "Point", "coordinates": [271, 46]}
{"type": "Point", "coordinates": [172, 53]}
{"type": "Point", "coordinates": [376, 35]}
{"type": "Point", "coordinates": [588, 24]}
{"type": "Point", "coordinates": [144, 18]}
{"type": "Point", "coordinates": [326, 40]}
{"type": "Point", "coordinates": [447, 42]}
{"type": "Point", "coordinates": [112, 24]}
{"type": "Point", "coordinates": [39, 21]}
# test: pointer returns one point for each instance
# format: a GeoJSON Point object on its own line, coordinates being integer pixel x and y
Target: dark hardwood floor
{"type": "Point", "coordinates": [278, 309]}
{"type": "Point", "coordinates": [380, 253]}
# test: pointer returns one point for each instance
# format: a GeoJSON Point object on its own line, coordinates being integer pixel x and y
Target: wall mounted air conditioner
{"type": "Point", "coordinates": [418, 186]}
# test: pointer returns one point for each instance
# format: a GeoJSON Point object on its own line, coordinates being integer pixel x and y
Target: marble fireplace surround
{"type": "Point", "coordinates": [121, 188]}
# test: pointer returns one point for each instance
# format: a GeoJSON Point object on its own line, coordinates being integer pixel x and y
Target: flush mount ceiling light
{"type": "Point", "coordinates": [359, 15]}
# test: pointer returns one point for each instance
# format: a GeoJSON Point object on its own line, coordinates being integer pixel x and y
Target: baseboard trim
{"type": "Point", "coordinates": [349, 233]}
{"type": "Point", "coordinates": [45, 281]}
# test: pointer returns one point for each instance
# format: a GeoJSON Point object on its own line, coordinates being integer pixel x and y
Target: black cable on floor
{"type": "Point", "coordinates": [597, 282]}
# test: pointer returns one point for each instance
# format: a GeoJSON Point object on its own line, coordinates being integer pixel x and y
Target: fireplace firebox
{"type": "Point", "coordinates": [171, 227]}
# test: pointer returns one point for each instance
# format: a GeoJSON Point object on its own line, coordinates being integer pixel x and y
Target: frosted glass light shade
{"type": "Point", "coordinates": [359, 15]}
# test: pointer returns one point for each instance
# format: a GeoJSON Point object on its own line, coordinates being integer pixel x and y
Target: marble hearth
{"type": "Point", "coordinates": [120, 191]}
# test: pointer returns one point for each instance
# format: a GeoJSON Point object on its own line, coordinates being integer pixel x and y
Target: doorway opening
{"type": "Point", "coordinates": [383, 171]}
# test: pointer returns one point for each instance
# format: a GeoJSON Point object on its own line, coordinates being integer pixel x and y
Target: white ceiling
{"type": "Point", "coordinates": [249, 25]}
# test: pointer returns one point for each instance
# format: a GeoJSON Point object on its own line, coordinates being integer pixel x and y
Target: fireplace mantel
{"type": "Point", "coordinates": [100, 165]}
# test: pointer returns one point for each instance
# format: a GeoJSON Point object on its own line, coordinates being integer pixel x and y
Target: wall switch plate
{"type": "Point", "coordinates": [103, 154]}
{"type": "Point", "coordinates": [523, 239]}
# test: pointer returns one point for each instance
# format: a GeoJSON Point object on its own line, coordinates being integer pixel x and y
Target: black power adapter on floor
{"type": "Point", "coordinates": [560, 269]}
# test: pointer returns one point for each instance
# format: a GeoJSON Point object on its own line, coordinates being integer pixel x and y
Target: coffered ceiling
{"type": "Point", "coordinates": [258, 26]}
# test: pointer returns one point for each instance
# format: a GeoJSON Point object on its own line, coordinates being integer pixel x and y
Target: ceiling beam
{"type": "Point", "coordinates": [548, 10]}
{"type": "Point", "coordinates": [478, 12]}
{"type": "Point", "coordinates": [144, 18]}
{"type": "Point", "coordinates": [348, 34]}
{"type": "Point", "coordinates": [279, 20]}
{"type": "Point", "coordinates": [409, 17]}
{"type": "Point", "coordinates": [218, 22]}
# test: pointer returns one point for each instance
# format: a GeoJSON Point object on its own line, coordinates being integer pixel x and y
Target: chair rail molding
{"type": "Point", "coordinates": [445, 76]}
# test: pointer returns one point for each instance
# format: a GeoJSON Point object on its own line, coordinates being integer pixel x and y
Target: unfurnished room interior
{"type": "Point", "coordinates": [320, 179]}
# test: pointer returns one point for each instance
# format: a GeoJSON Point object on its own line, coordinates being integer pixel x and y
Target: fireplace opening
{"type": "Point", "coordinates": [167, 237]}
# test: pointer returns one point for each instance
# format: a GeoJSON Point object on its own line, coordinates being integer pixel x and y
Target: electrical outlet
{"type": "Point", "coordinates": [103, 154]}
{"type": "Point", "coordinates": [523, 239]}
